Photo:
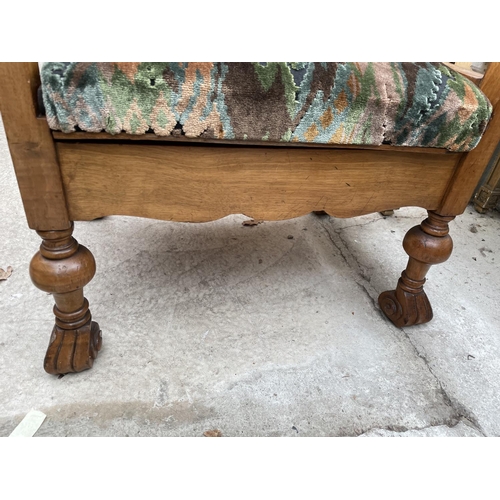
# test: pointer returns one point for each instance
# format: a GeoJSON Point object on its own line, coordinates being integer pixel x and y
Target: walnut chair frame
{"type": "Point", "coordinates": [81, 176]}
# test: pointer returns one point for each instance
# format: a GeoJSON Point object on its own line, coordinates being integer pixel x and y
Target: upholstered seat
{"type": "Point", "coordinates": [404, 104]}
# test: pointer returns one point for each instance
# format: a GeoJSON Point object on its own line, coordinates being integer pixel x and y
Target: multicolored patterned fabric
{"type": "Point", "coordinates": [403, 104]}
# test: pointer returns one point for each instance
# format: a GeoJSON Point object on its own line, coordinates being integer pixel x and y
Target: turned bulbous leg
{"type": "Point", "coordinates": [426, 244]}
{"type": "Point", "coordinates": [63, 267]}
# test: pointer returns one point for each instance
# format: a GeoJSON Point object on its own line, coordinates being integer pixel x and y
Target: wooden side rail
{"type": "Point", "coordinates": [201, 183]}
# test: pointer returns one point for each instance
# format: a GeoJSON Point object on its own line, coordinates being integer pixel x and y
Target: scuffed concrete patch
{"type": "Point", "coordinates": [459, 430]}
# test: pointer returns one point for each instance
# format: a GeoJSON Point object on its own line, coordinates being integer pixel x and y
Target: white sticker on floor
{"type": "Point", "coordinates": [29, 424]}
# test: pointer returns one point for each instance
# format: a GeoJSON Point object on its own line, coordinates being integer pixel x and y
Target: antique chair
{"type": "Point", "coordinates": [195, 142]}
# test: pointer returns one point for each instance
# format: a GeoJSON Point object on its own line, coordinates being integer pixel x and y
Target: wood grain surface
{"type": "Point", "coordinates": [202, 183]}
{"type": "Point", "coordinates": [31, 147]}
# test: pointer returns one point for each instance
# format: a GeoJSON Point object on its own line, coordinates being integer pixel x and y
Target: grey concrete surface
{"type": "Point", "coordinates": [462, 429]}
{"type": "Point", "coordinates": [271, 330]}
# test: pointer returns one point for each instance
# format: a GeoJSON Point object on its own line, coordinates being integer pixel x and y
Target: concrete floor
{"type": "Point", "coordinates": [272, 330]}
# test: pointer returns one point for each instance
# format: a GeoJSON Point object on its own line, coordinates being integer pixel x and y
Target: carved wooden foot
{"type": "Point", "coordinates": [426, 244]}
{"type": "Point", "coordinates": [63, 267]}
{"type": "Point", "coordinates": [73, 350]}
